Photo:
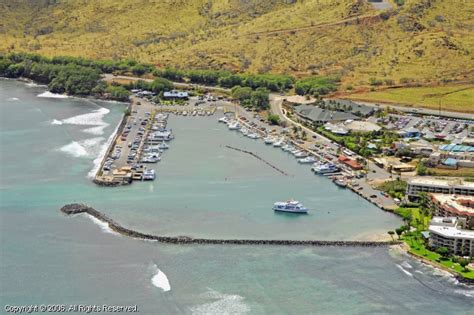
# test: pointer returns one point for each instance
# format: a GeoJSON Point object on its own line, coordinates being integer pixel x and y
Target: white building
{"type": "Point", "coordinates": [447, 232]}
{"type": "Point", "coordinates": [417, 185]}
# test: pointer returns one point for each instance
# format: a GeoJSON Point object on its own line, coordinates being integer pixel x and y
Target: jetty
{"type": "Point", "coordinates": [74, 209]}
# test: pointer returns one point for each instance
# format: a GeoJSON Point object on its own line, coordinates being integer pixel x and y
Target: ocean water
{"type": "Point", "coordinates": [49, 146]}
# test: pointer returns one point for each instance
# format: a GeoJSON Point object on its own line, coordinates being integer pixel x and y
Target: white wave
{"type": "Point", "coordinates": [101, 154]}
{"type": "Point", "coordinates": [104, 226]}
{"type": "Point", "coordinates": [405, 264]}
{"type": "Point", "coordinates": [468, 293]}
{"type": "Point", "coordinates": [84, 148]}
{"type": "Point", "coordinates": [90, 119]}
{"type": "Point", "coordinates": [52, 95]}
{"type": "Point", "coordinates": [160, 280]}
{"type": "Point", "coordinates": [33, 84]}
{"type": "Point", "coordinates": [223, 304]}
{"type": "Point", "coordinates": [405, 271]}
{"type": "Point", "coordinates": [11, 99]}
{"type": "Point", "coordinates": [56, 122]}
{"type": "Point", "coordinates": [99, 130]}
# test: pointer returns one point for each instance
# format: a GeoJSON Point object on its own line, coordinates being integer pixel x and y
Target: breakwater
{"type": "Point", "coordinates": [72, 209]}
{"type": "Point", "coordinates": [259, 158]}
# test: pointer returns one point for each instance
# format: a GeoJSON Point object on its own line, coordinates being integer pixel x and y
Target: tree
{"type": "Point", "coordinates": [463, 262]}
{"type": "Point", "coordinates": [443, 251]}
{"type": "Point", "coordinates": [260, 98]}
{"type": "Point", "coordinates": [400, 231]}
{"type": "Point", "coordinates": [391, 233]}
{"type": "Point", "coordinates": [273, 119]}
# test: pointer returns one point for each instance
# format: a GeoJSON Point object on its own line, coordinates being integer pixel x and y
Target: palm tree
{"type": "Point", "coordinates": [391, 233]}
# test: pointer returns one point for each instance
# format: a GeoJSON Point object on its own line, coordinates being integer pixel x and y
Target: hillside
{"type": "Point", "coordinates": [422, 42]}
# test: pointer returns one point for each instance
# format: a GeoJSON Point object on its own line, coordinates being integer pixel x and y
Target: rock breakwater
{"type": "Point", "coordinates": [72, 209]}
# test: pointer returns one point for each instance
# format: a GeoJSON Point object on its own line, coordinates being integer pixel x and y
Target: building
{"type": "Point", "coordinates": [410, 133]}
{"type": "Point", "coordinates": [176, 95]}
{"type": "Point", "coordinates": [454, 206]}
{"type": "Point", "coordinates": [461, 155]}
{"type": "Point", "coordinates": [447, 232]}
{"type": "Point", "coordinates": [350, 162]}
{"type": "Point", "coordinates": [417, 185]}
{"type": "Point", "coordinates": [318, 115]}
{"type": "Point", "coordinates": [359, 110]}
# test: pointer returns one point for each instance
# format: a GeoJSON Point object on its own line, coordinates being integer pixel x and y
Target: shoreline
{"type": "Point", "coordinates": [404, 248]}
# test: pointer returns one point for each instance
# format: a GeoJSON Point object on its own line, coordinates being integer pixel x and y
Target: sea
{"type": "Point", "coordinates": [50, 147]}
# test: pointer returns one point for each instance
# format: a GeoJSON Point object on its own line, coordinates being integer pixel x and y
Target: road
{"type": "Point", "coordinates": [110, 78]}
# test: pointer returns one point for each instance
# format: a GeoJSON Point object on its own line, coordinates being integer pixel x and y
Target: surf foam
{"type": "Point", "coordinates": [405, 271]}
{"type": "Point", "coordinates": [224, 304]}
{"type": "Point", "coordinates": [103, 225]}
{"type": "Point", "coordinates": [160, 280]}
{"type": "Point", "coordinates": [84, 148]}
{"type": "Point", "coordinates": [52, 95]}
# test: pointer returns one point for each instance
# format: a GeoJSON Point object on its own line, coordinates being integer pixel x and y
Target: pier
{"type": "Point", "coordinates": [73, 209]}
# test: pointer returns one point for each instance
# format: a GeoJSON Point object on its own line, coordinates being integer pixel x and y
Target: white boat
{"type": "Point", "coordinates": [149, 175]}
{"type": "Point", "coordinates": [301, 154]}
{"type": "Point", "coordinates": [291, 206]}
{"type": "Point", "coordinates": [234, 125]}
{"type": "Point", "coordinates": [244, 131]}
{"type": "Point", "coordinates": [224, 120]}
{"type": "Point", "coordinates": [325, 168]}
{"type": "Point", "coordinates": [278, 143]}
{"type": "Point", "coordinates": [163, 146]}
{"type": "Point", "coordinates": [307, 160]}
{"type": "Point", "coordinates": [185, 113]}
{"type": "Point", "coordinates": [269, 140]}
{"type": "Point", "coordinates": [340, 182]}
{"type": "Point", "coordinates": [253, 136]}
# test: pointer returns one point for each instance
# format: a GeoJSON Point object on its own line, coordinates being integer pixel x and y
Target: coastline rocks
{"type": "Point", "coordinates": [72, 209]}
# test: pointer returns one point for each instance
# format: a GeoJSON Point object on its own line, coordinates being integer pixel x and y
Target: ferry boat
{"type": "Point", "coordinates": [291, 206]}
{"type": "Point", "coordinates": [149, 175]}
{"type": "Point", "coordinates": [269, 140]}
{"type": "Point", "coordinates": [340, 182]}
{"type": "Point", "coordinates": [325, 168]}
{"type": "Point", "coordinates": [307, 160]}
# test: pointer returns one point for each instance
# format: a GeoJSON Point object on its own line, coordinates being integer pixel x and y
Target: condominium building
{"type": "Point", "coordinates": [417, 185]}
{"type": "Point", "coordinates": [447, 232]}
{"type": "Point", "coordinates": [454, 206]}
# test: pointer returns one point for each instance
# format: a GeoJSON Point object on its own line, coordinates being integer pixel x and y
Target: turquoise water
{"type": "Point", "coordinates": [203, 189]}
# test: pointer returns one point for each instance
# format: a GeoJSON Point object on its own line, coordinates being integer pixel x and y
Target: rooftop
{"type": "Point", "coordinates": [176, 94]}
{"type": "Point", "coordinates": [461, 205]}
{"type": "Point", "coordinates": [451, 232]}
{"type": "Point", "coordinates": [440, 182]}
{"type": "Point", "coordinates": [315, 113]}
{"type": "Point", "coordinates": [457, 148]}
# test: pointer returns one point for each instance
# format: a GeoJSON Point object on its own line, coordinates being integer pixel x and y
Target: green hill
{"type": "Point", "coordinates": [421, 42]}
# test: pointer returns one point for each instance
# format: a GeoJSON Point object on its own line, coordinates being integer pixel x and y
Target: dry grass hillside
{"type": "Point", "coordinates": [422, 42]}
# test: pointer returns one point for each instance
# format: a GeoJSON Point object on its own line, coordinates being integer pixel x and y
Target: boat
{"type": "Point", "coordinates": [224, 120]}
{"type": "Point", "coordinates": [269, 140]}
{"type": "Point", "coordinates": [291, 206]}
{"type": "Point", "coordinates": [244, 131]}
{"type": "Point", "coordinates": [149, 175]}
{"type": "Point", "coordinates": [325, 168]}
{"type": "Point", "coordinates": [253, 136]}
{"type": "Point", "coordinates": [301, 154]}
{"type": "Point", "coordinates": [307, 160]}
{"type": "Point", "coordinates": [340, 182]}
{"type": "Point", "coordinates": [278, 143]}
{"type": "Point", "coordinates": [234, 125]}
{"type": "Point", "coordinates": [163, 146]}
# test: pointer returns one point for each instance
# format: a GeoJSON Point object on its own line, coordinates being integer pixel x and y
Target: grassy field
{"type": "Point", "coordinates": [424, 41]}
{"type": "Point", "coordinates": [454, 98]}
{"type": "Point", "coordinates": [460, 172]}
